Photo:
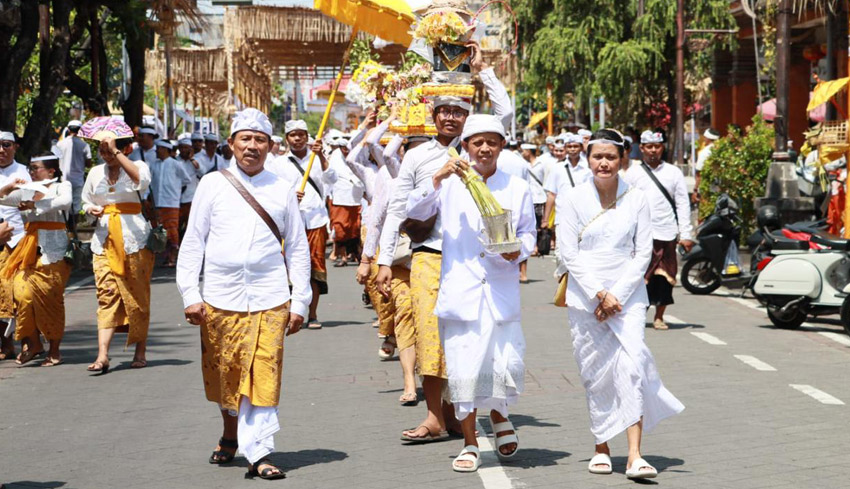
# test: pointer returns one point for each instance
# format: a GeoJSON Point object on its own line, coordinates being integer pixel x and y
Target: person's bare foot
{"type": "Point", "coordinates": [423, 431]}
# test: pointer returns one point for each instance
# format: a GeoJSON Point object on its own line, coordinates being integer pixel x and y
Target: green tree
{"type": "Point", "coordinates": [603, 47]}
{"type": "Point", "coordinates": [738, 166]}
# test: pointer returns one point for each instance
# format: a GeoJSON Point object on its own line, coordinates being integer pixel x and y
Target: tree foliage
{"type": "Point", "coordinates": [738, 166]}
{"type": "Point", "coordinates": [603, 47]}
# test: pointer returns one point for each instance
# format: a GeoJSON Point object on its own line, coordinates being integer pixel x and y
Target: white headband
{"type": "Point", "coordinates": [649, 137]}
{"type": "Point", "coordinates": [604, 141]}
{"type": "Point", "coordinates": [44, 158]}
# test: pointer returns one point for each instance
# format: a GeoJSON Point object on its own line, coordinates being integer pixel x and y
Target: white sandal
{"type": "Point", "coordinates": [470, 453]}
{"type": "Point", "coordinates": [505, 439]}
{"type": "Point", "coordinates": [389, 345]}
{"type": "Point", "coordinates": [600, 459]}
{"type": "Point", "coordinates": [635, 472]}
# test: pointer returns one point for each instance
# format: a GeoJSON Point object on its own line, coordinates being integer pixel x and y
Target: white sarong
{"type": "Point", "coordinates": [618, 373]}
{"type": "Point", "coordinates": [484, 361]}
{"type": "Point", "coordinates": [255, 430]}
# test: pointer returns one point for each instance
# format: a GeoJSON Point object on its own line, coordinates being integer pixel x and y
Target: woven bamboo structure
{"type": "Point", "coordinates": [294, 37]}
{"type": "Point", "coordinates": [200, 78]}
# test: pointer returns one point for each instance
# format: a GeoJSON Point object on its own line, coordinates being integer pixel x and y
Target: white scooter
{"type": "Point", "coordinates": [800, 282]}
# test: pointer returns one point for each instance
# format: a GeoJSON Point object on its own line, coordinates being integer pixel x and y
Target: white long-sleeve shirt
{"type": "Point", "coordinates": [211, 163]}
{"type": "Point", "coordinates": [469, 273]}
{"type": "Point", "coordinates": [348, 189]}
{"type": "Point", "coordinates": [97, 193]}
{"type": "Point", "coordinates": [168, 177]}
{"type": "Point", "coordinates": [538, 195]}
{"type": "Point", "coordinates": [664, 226]}
{"type": "Point", "coordinates": [313, 210]}
{"type": "Point", "coordinates": [195, 175]}
{"type": "Point", "coordinates": [53, 207]}
{"type": "Point", "coordinates": [614, 250]}
{"type": "Point", "coordinates": [419, 166]}
{"type": "Point", "coordinates": [12, 215]}
{"type": "Point", "coordinates": [559, 182]}
{"type": "Point", "coordinates": [513, 164]}
{"type": "Point", "coordinates": [244, 269]}
{"type": "Point", "coordinates": [146, 156]}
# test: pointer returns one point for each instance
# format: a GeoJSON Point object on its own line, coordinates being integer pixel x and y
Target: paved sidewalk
{"type": "Point", "coordinates": [340, 419]}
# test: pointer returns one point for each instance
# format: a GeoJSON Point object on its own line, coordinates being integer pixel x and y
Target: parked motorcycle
{"type": "Point", "coordinates": [797, 283]}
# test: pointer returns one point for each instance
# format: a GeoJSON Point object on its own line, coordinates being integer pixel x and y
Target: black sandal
{"type": "Point", "coordinates": [267, 473]}
{"type": "Point", "coordinates": [219, 457]}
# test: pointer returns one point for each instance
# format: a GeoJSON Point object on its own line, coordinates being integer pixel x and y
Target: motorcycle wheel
{"type": "Point", "coordinates": [699, 277]}
{"type": "Point", "coordinates": [845, 315]}
{"type": "Point", "coordinates": [792, 319]}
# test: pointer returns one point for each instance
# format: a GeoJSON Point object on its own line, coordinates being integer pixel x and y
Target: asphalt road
{"type": "Point", "coordinates": [764, 407]}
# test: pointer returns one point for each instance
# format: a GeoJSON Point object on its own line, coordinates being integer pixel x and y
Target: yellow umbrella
{"type": "Point", "coordinates": [824, 91]}
{"type": "Point", "coordinates": [537, 119]}
{"type": "Point", "coordinates": [388, 19]}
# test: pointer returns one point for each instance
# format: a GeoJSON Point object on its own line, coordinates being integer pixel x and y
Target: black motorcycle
{"type": "Point", "coordinates": [703, 268]}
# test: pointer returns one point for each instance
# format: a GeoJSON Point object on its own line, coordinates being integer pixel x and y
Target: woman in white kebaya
{"type": "Point", "coordinates": [478, 304]}
{"type": "Point", "coordinates": [605, 240]}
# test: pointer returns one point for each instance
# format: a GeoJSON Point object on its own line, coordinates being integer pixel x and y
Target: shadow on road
{"type": "Point", "coordinates": [528, 458]}
{"type": "Point", "coordinates": [678, 325]}
{"type": "Point", "coordinates": [32, 484]}
{"type": "Point", "coordinates": [335, 324]}
{"type": "Point", "coordinates": [289, 461]}
{"type": "Point", "coordinates": [525, 420]}
{"type": "Point", "coordinates": [662, 464]}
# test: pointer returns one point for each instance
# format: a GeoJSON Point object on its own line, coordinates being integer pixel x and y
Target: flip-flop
{"type": "Point", "coordinates": [314, 324]}
{"type": "Point", "coordinates": [268, 473]}
{"type": "Point", "coordinates": [51, 362]}
{"type": "Point", "coordinates": [25, 357]}
{"type": "Point", "coordinates": [139, 364]}
{"type": "Point", "coordinates": [409, 399]}
{"type": "Point", "coordinates": [99, 367]}
{"type": "Point", "coordinates": [641, 470]}
{"type": "Point", "coordinates": [429, 438]}
{"type": "Point", "coordinates": [600, 459]}
{"type": "Point", "coordinates": [5, 355]}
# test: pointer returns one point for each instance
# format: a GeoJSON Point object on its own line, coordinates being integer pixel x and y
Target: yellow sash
{"type": "Point", "coordinates": [26, 253]}
{"type": "Point", "coordinates": [114, 245]}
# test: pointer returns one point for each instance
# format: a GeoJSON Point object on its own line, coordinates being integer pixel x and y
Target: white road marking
{"type": "Point", "coordinates": [817, 394]}
{"type": "Point", "coordinates": [674, 319]}
{"type": "Point", "coordinates": [736, 297]}
{"type": "Point", "coordinates": [842, 339]}
{"type": "Point", "coordinates": [79, 284]}
{"type": "Point", "coordinates": [755, 363]}
{"type": "Point", "coordinates": [710, 339]}
{"type": "Point", "coordinates": [491, 472]}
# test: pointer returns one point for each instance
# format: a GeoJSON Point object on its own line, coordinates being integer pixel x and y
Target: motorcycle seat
{"type": "Point", "coordinates": [786, 244]}
{"type": "Point", "coordinates": [806, 226]}
{"type": "Point", "coordinates": [834, 242]}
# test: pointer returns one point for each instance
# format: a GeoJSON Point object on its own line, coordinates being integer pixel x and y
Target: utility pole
{"type": "Point", "coordinates": [680, 84]}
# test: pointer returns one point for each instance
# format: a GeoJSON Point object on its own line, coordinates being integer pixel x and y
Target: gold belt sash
{"type": "Point", "coordinates": [114, 245]}
{"type": "Point", "coordinates": [26, 253]}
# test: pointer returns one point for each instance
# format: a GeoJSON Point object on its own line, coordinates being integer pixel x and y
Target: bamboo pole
{"type": "Point", "coordinates": [329, 106]}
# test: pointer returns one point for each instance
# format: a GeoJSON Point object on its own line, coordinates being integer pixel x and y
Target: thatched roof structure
{"type": "Point", "coordinates": [291, 37]}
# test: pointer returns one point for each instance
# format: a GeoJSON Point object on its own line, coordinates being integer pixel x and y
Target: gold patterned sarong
{"type": "Point", "coordinates": [26, 252]}
{"type": "Point", "coordinates": [7, 302]}
{"type": "Point", "coordinates": [242, 355]}
{"type": "Point", "coordinates": [40, 300]}
{"type": "Point", "coordinates": [383, 306]}
{"type": "Point", "coordinates": [424, 286]}
{"type": "Point", "coordinates": [405, 330]}
{"type": "Point", "coordinates": [125, 300]}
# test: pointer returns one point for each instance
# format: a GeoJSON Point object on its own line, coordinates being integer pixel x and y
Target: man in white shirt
{"type": "Point", "coordinates": [418, 167]}
{"type": "Point", "coordinates": [292, 166]}
{"type": "Point", "coordinates": [536, 176]}
{"type": "Point", "coordinates": [671, 224]}
{"type": "Point", "coordinates": [197, 142]}
{"type": "Point", "coordinates": [145, 151]}
{"type": "Point", "coordinates": [168, 179]}
{"type": "Point", "coordinates": [195, 171]}
{"type": "Point", "coordinates": [347, 194]}
{"type": "Point", "coordinates": [74, 158]}
{"type": "Point", "coordinates": [566, 174]}
{"type": "Point", "coordinates": [246, 307]}
{"type": "Point", "coordinates": [210, 160]}
{"type": "Point", "coordinates": [710, 136]}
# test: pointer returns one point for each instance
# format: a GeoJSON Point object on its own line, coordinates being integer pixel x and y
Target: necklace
{"type": "Point", "coordinates": [112, 181]}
